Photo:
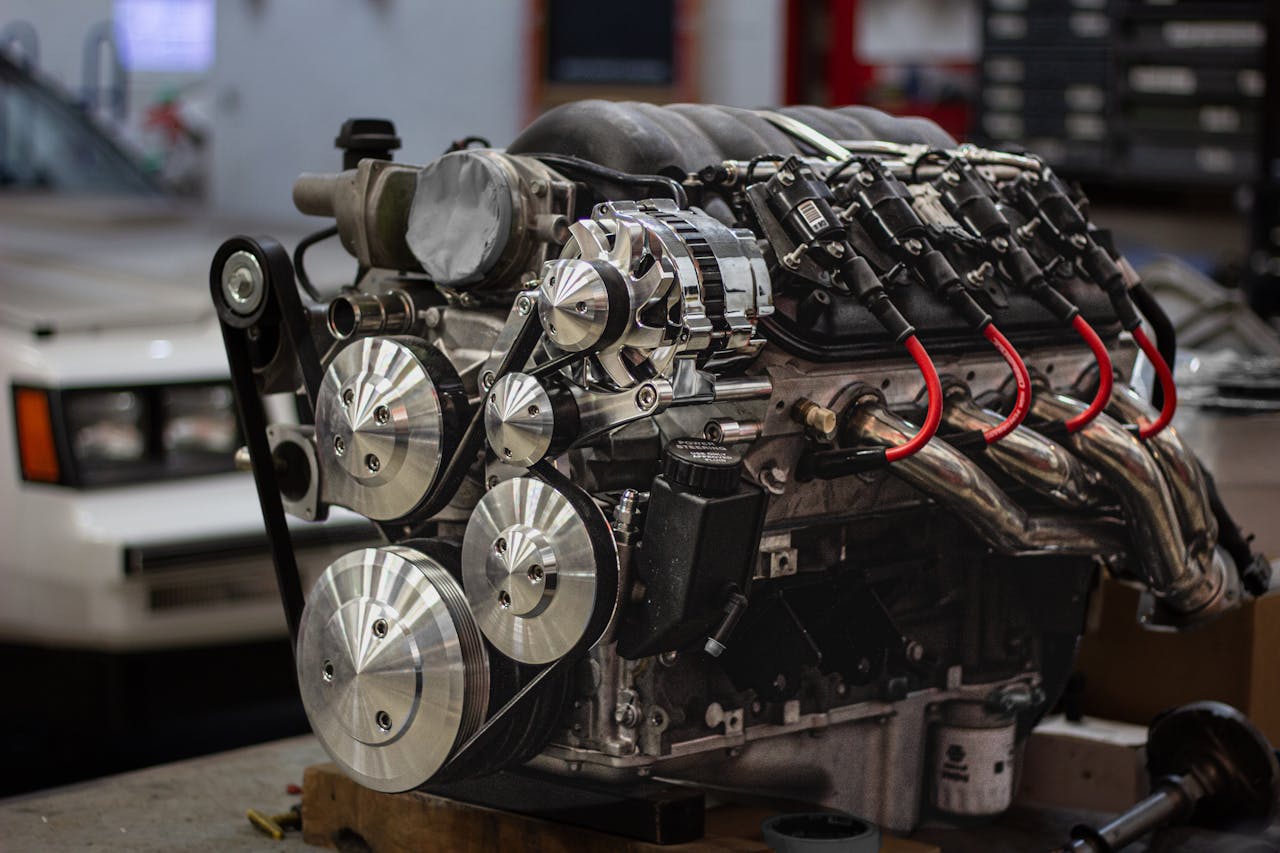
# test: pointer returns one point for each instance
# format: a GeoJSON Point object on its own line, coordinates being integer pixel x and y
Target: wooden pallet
{"type": "Point", "coordinates": [336, 812]}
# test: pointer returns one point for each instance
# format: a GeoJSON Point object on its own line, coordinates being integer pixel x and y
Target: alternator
{"type": "Point", "coordinates": [640, 283]}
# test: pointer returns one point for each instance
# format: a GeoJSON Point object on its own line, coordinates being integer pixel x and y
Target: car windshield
{"type": "Point", "coordinates": [49, 145]}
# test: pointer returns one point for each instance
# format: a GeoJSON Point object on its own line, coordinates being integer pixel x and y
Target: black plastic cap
{"type": "Point", "coordinates": [362, 138]}
{"type": "Point", "coordinates": [701, 466]}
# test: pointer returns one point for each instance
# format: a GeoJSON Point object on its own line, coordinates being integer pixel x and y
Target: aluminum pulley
{"type": "Point", "coordinates": [388, 412]}
{"type": "Point", "coordinates": [525, 420]}
{"type": "Point", "coordinates": [392, 668]}
{"type": "Point", "coordinates": [530, 568]}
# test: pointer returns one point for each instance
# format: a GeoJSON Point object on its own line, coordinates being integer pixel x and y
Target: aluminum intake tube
{"type": "Point", "coordinates": [1026, 456]}
{"type": "Point", "coordinates": [1189, 582]}
{"type": "Point", "coordinates": [950, 478]}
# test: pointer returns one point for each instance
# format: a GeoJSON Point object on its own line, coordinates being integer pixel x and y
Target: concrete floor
{"type": "Point", "coordinates": [196, 805]}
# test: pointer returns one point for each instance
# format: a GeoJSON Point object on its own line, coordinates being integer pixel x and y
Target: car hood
{"type": "Point", "coordinates": [88, 264]}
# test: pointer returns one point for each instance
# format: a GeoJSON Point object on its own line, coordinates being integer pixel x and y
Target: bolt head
{"type": "Point", "coordinates": [1000, 244]}
{"type": "Point", "coordinates": [243, 283]}
{"type": "Point", "coordinates": [488, 379]}
{"type": "Point", "coordinates": [646, 397]}
{"type": "Point", "coordinates": [524, 305]}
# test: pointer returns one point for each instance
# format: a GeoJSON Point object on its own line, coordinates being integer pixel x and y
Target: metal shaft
{"type": "Point", "coordinates": [1170, 803]}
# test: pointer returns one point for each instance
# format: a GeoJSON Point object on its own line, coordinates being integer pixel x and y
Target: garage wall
{"type": "Point", "coordinates": [286, 77]}
{"type": "Point", "coordinates": [742, 52]}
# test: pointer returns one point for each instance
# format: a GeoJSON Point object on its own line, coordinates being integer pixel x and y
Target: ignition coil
{"type": "Point", "coordinates": [971, 200]}
{"type": "Point", "coordinates": [881, 204]}
{"type": "Point", "coordinates": [800, 204]}
{"type": "Point", "coordinates": [1043, 199]}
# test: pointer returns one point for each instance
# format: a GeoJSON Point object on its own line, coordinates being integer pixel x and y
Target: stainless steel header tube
{"type": "Point", "coordinates": [1187, 582]}
{"type": "Point", "coordinates": [1180, 467]}
{"type": "Point", "coordinates": [948, 477]}
{"type": "Point", "coordinates": [1025, 455]}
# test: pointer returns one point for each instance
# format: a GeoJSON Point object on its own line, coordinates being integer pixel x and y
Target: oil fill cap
{"type": "Point", "coordinates": [701, 466]}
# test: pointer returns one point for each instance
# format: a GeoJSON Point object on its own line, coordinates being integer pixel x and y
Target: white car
{"type": "Point", "coordinates": [124, 522]}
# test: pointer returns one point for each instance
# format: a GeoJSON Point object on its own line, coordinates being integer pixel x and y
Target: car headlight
{"type": "Point", "coordinates": [102, 436]}
{"type": "Point", "coordinates": [199, 419]}
{"type": "Point", "coordinates": [106, 427]}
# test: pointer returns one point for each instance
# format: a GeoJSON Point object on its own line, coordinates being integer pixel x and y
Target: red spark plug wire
{"type": "Point", "coordinates": [1105, 375]}
{"type": "Point", "coordinates": [933, 417]}
{"type": "Point", "coordinates": [1022, 379]}
{"type": "Point", "coordinates": [1165, 375]}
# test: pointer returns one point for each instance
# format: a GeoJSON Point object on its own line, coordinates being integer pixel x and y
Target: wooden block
{"type": "Point", "coordinates": [336, 809]}
{"type": "Point", "coordinates": [1092, 765]}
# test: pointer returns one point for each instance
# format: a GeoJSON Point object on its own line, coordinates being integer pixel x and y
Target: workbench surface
{"type": "Point", "coordinates": [199, 805]}
{"type": "Point", "coordinates": [196, 805]}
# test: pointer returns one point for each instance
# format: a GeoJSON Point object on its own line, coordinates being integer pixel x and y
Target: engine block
{"type": "Point", "coordinates": [772, 450]}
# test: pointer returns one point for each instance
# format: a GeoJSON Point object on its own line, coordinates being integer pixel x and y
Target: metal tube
{"type": "Point", "coordinates": [730, 431]}
{"type": "Point", "coordinates": [1025, 455]}
{"type": "Point", "coordinates": [1174, 574]}
{"type": "Point", "coordinates": [359, 314]}
{"type": "Point", "coordinates": [1180, 468]}
{"type": "Point", "coordinates": [743, 388]}
{"type": "Point", "coordinates": [954, 481]}
{"type": "Point", "coordinates": [314, 194]}
{"type": "Point", "coordinates": [1165, 806]}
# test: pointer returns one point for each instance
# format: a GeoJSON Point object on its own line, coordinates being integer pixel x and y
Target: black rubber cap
{"type": "Point", "coordinates": [701, 466]}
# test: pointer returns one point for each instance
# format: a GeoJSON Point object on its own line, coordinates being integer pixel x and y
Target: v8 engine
{"type": "Point", "coordinates": [769, 450]}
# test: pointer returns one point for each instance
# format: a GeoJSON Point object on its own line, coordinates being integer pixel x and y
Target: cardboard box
{"type": "Point", "coordinates": [1132, 674]}
{"type": "Point", "coordinates": [1091, 765]}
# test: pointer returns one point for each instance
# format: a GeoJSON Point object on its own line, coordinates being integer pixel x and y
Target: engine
{"type": "Point", "coordinates": [774, 451]}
